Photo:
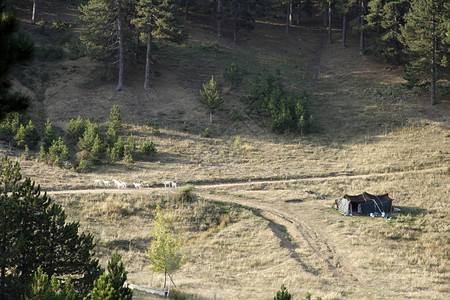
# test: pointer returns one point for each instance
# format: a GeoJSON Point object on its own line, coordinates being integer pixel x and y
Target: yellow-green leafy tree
{"type": "Point", "coordinates": [164, 252]}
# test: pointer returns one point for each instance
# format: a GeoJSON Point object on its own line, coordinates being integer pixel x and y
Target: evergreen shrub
{"type": "Point", "coordinates": [58, 152]}
{"type": "Point", "coordinates": [76, 128]}
{"type": "Point", "coordinates": [148, 147]}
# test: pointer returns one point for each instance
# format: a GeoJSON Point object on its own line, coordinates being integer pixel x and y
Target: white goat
{"type": "Point", "coordinates": [98, 182]}
{"type": "Point", "coordinates": [137, 185]}
{"type": "Point", "coordinates": [116, 183]}
{"type": "Point", "coordinates": [173, 184]}
{"type": "Point", "coordinates": [122, 185]}
{"type": "Point", "coordinates": [106, 182]}
{"type": "Point", "coordinates": [167, 183]}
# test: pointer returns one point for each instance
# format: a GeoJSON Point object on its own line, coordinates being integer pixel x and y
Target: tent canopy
{"type": "Point", "coordinates": [364, 203]}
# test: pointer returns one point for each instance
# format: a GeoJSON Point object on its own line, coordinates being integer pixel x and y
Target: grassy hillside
{"type": "Point", "coordinates": [257, 224]}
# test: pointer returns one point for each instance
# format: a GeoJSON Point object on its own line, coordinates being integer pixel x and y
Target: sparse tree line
{"type": "Point", "coordinates": [412, 33]}
{"type": "Point", "coordinates": [92, 146]}
{"type": "Point", "coordinates": [403, 32]}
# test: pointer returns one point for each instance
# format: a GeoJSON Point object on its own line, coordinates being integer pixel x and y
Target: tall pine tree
{"type": "Point", "coordinates": [105, 36]}
{"type": "Point", "coordinates": [384, 21]}
{"type": "Point", "coordinates": [423, 36]}
{"type": "Point", "coordinates": [158, 19]}
{"type": "Point", "coordinates": [33, 233]}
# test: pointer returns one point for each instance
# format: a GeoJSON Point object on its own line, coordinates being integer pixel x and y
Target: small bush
{"type": "Point", "coordinates": [185, 127]}
{"type": "Point", "coordinates": [49, 134]}
{"type": "Point", "coordinates": [60, 26]}
{"type": "Point", "coordinates": [42, 155]}
{"type": "Point", "coordinates": [111, 135]}
{"type": "Point", "coordinates": [58, 152]}
{"type": "Point", "coordinates": [96, 150]}
{"type": "Point", "coordinates": [76, 50]}
{"type": "Point", "coordinates": [64, 38]}
{"type": "Point", "coordinates": [87, 140]}
{"type": "Point", "coordinates": [185, 195]}
{"type": "Point", "coordinates": [282, 294]}
{"type": "Point", "coordinates": [155, 125]}
{"type": "Point", "coordinates": [207, 132]}
{"type": "Point", "coordinates": [129, 149]}
{"type": "Point", "coordinates": [49, 53]}
{"type": "Point", "coordinates": [233, 75]}
{"type": "Point", "coordinates": [84, 166]}
{"type": "Point", "coordinates": [76, 128]}
{"type": "Point", "coordinates": [148, 147]}
{"type": "Point", "coordinates": [286, 111]}
{"type": "Point", "coordinates": [27, 135]}
{"type": "Point", "coordinates": [113, 154]}
{"type": "Point", "coordinates": [236, 116]}
{"type": "Point", "coordinates": [9, 127]}
{"type": "Point", "coordinates": [115, 118]}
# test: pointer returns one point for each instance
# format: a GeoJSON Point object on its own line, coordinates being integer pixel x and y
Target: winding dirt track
{"type": "Point", "coordinates": [318, 255]}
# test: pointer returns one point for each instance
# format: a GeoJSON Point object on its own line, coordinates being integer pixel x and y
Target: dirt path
{"type": "Point", "coordinates": [247, 183]}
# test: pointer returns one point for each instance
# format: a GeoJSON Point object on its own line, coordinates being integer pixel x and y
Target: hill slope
{"type": "Point", "coordinates": [366, 125]}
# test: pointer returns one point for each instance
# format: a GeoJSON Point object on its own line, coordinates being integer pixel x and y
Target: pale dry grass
{"type": "Point", "coordinates": [370, 135]}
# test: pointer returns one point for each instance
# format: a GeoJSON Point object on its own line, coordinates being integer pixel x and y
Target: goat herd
{"type": "Point", "coordinates": [123, 185]}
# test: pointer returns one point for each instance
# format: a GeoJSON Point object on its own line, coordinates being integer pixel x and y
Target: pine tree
{"type": "Point", "coordinates": [210, 97]}
{"type": "Point", "coordinates": [243, 12]}
{"type": "Point", "coordinates": [282, 294]}
{"type": "Point", "coordinates": [115, 118]}
{"type": "Point", "coordinates": [104, 36]}
{"type": "Point", "coordinates": [49, 134]}
{"type": "Point", "coordinates": [118, 276]}
{"type": "Point", "coordinates": [158, 19]}
{"type": "Point", "coordinates": [129, 149]}
{"type": "Point", "coordinates": [43, 288]}
{"type": "Point", "coordinates": [164, 252]}
{"type": "Point", "coordinates": [384, 21]}
{"type": "Point", "coordinates": [15, 48]}
{"type": "Point", "coordinates": [343, 7]}
{"type": "Point", "coordinates": [33, 233]}
{"type": "Point", "coordinates": [423, 36]}
{"type": "Point", "coordinates": [87, 140]}
{"type": "Point", "coordinates": [58, 152]}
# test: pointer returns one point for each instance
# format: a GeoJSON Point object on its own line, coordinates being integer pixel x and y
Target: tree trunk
{"type": "Point", "coordinates": [165, 276]}
{"type": "Point", "coordinates": [299, 12]}
{"type": "Point", "coordinates": [344, 31]}
{"type": "Point", "coordinates": [120, 85]}
{"type": "Point", "coordinates": [186, 9]}
{"type": "Point", "coordinates": [235, 23]}
{"type": "Point", "coordinates": [291, 12]}
{"type": "Point", "coordinates": [34, 14]}
{"type": "Point", "coordinates": [210, 118]}
{"type": "Point", "coordinates": [148, 61]}
{"type": "Point", "coordinates": [361, 34]}
{"type": "Point", "coordinates": [288, 14]}
{"type": "Point", "coordinates": [325, 17]}
{"type": "Point", "coordinates": [433, 65]}
{"type": "Point", "coordinates": [219, 18]}
{"type": "Point", "coordinates": [330, 39]}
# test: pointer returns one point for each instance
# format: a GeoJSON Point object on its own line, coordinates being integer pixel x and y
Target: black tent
{"type": "Point", "coordinates": [364, 203]}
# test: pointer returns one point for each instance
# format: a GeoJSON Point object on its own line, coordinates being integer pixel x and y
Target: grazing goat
{"type": "Point", "coordinates": [98, 182]}
{"type": "Point", "coordinates": [137, 185]}
{"type": "Point", "coordinates": [120, 184]}
{"type": "Point", "coordinates": [173, 184]}
{"type": "Point", "coordinates": [167, 183]}
{"type": "Point", "coordinates": [106, 182]}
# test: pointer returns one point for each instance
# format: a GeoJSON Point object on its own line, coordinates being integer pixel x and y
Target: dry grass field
{"type": "Point", "coordinates": [264, 213]}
